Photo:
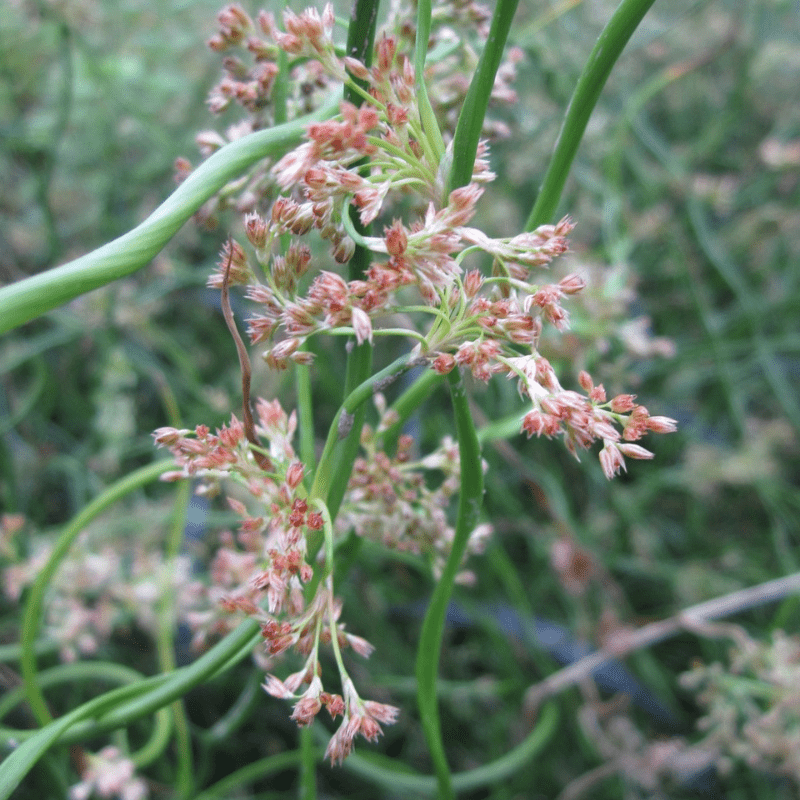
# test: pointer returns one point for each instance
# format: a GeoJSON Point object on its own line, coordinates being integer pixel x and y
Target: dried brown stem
{"type": "Point", "coordinates": [244, 364]}
{"type": "Point", "coordinates": [691, 618]}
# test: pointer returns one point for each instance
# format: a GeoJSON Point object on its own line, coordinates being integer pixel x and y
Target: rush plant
{"type": "Point", "coordinates": [358, 169]}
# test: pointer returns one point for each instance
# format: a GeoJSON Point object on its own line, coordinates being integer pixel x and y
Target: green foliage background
{"type": "Point", "coordinates": [686, 187]}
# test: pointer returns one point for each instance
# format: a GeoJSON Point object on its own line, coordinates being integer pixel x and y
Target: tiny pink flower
{"type": "Point", "coordinates": [634, 451]}
{"type": "Point", "coordinates": [396, 239]}
{"type": "Point", "coordinates": [294, 475]}
{"type": "Point", "coordinates": [444, 363]}
{"type": "Point", "coordinates": [572, 284]}
{"type": "Point", "coordinates": [662, 424]}
{"type": "Point", "coordinates": [362, 326]}
{"type": "Point", "coordinates": [277, 688]}
{"type": "Point", "coordinates": [360, 645]}
{"type": "Point", "coordinates": [623, 403]}
{"type": "Point", "coordinates": [356, 68]}
{"type": "Point", "coordinates": [585, 381]}
{"type": "Point", "coordinates": [611, 460]}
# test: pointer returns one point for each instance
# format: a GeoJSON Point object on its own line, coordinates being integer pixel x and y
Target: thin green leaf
{"type": "Point", "coordinates": [470, 121]}
{"type": "Point", "coordinates": [601, 61]}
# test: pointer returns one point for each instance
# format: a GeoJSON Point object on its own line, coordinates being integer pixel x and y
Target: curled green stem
{"type": "Point", "coordinates": [28, 299]}
{"type": "Point", "coordinates": [120, 707]}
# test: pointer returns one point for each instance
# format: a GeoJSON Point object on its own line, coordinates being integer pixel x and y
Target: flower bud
{"type": "Point", "coordinates": [356, 68]}
{"type": "Point", "coordinates": [572, 284]}
{"type": "Point", "coordinates": [472, 283]}
{"type": "Point", "coordinates": [343, 250]}
{"type": "Point", "coordinates": [444, 363]}
{"type": "Point", "coordinates": [256, 230]}
{"type": "Point", "coordinates": [362, 325]}
{"type": "Point", "coordinates": [634, 451]}
{"type": "Point", "coordinates": [396, 239]}
{"type": "Point", "coordinates": [623, 403]}
{"type": "Point", "coordinates": [662, 424]}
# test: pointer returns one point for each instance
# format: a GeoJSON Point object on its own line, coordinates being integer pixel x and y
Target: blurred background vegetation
{"type": "Point", "coordinates": [686, 191]}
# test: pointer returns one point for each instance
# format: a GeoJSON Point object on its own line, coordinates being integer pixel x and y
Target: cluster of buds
{"type": "Point", "coordinates": [109, 774]}
{"type": "Point", "coordinates": [266, 571]}
{"type": "Point", "coordinates": [267, 559]}
{"type": "Point", "coordinates": [358, 716]}
{"type": "Point", "coordinates": [751, 706]}
{"type": "Point", "coordinates": [489, 325]}
{"type": "Point", "coordinates": [381, 160]}
{"type": "Point", "coordinates": [100, 588]}
{"type": "Point", "coordinates": [478, 323]}
{"type": "Point", "coordinates": [251, 47]}
{"type": "Point", "coordinates": [389, 500]}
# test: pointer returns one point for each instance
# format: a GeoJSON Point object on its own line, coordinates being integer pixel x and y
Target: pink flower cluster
{"type": "Point", "coordinates": [582, 420]}
{"type": "Point", "coordinates": [251, 46]}
{"type": "Point", "coordinates": [264, 570]}
{"type": "Point", "coordinates": [100, 588]}
{"type": "Point", "coordinates": [271, 564]}
{"type": "Point", "coordinates": [489, 325]}
{"type": "Point", "coordinates": [377, 162]}
{"type": "Point", "coordinates": [109, 774]}
{"type": "Point", "coordinates": [358, 716]}
{"type": "Point", "coordinates": [390, 501]}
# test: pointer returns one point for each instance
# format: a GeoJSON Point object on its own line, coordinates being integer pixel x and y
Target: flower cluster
{"type": "Point", "coordinates": [275, 535]}
{"type": "Point", "coordinates": [381, 162]}
{"type": "Point", "coordinates": [109, 774]}
{"type": "Point", "coordinates": [253, 80]}
{"type": "Point", "coordinates": [252, 48]}
{"type": "Point", "coordinates": [490, 325]}
{"type": "Point", "coordinates": [267, 572]}
{"type": "Point", "coordinates": [651, 768]}
{"type": "Point", "coordinates": [100, 588]}
{"type": "Point", "coordinates": [752, 708]}
{"type": "Point", "coordinates": [390, 502]}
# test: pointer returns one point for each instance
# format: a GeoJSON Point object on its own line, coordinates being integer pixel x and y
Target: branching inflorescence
{"type": "Point", "coordinates": [380, 162]}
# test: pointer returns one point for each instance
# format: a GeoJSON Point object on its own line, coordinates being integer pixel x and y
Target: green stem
{"type": "Point", "coordinates": [228, 786]}
{"type": "Point", "coordinates": [361, 36]}
{"type": "Point", "coordinates": [493, 773]}
{"type": "Point", "coordinates": [280, 90]}
{"type": "Point", "coordinates": [17, 765]}
{"type": "Point", "coordinates": [470, 121]}
{"type": "Point", "coordinates": [233, 719]}
{"type": "Point", "coordinates": [326, 476]}
{"type": "Point", "coordinates": [305, 411]}
{"type": "Point", "coordinates": [430, 645]}
{"type": "Point", "coordinates": [79, 671]}
{"type": "Point", "coordinates": [357, 371]}
{"type": "Point", "coordinates": [605, 54]}
{"type": "Point", "coordinates": [360, 41]}
{"type": "Point", "coordinates": [165, 643]}
{"type": "Point", "coordinates": [33, 608]}
{"type": "Point", "coordinates": [308, 764]}
{"type": "Point", "coordinates": [161, 690]}
{"type": "Point", "coordinates": [408, 402]}
{"type": "Point", "coordinates": [28, 299]}
{"type": "Point", "coordinates": [465, 147]}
